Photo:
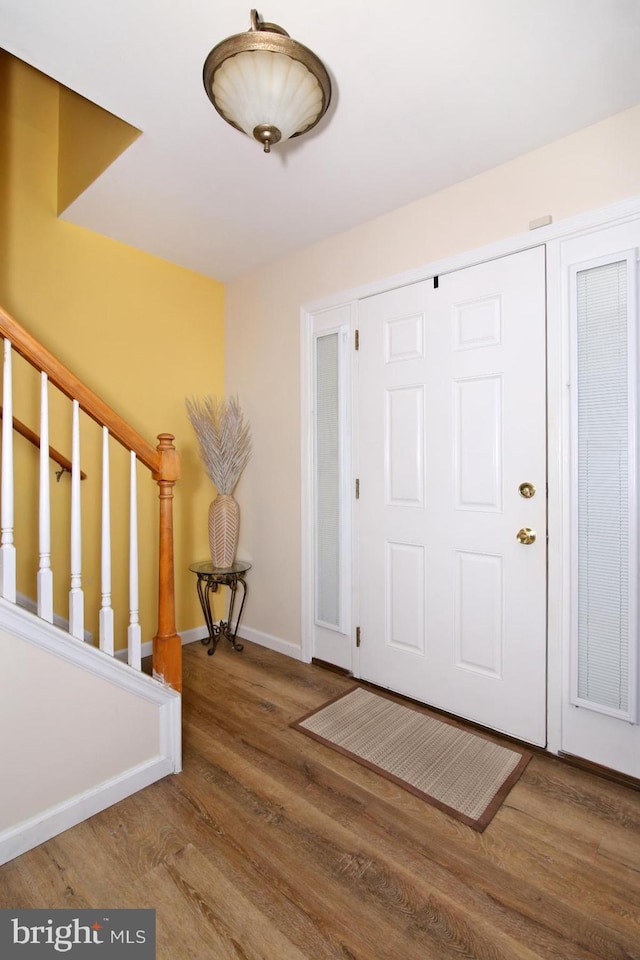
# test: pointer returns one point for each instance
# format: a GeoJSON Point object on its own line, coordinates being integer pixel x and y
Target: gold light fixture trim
{"type": "Point", "coordinates": [265, 84]}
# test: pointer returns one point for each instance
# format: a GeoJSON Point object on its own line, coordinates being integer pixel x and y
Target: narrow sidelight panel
{"type": "Point", "coordinates": [605, 520]}
{"type": "Point", "coordinates": [328, 480]}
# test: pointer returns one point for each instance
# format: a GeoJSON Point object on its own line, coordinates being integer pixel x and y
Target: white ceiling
{"type": "Point", "coordinates": [425, 94]}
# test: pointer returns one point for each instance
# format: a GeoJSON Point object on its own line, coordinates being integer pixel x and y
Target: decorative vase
{"type": "Point", "coordinates": [224, 525]}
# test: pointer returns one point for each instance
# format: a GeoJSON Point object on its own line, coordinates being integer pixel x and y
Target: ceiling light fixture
{"type": "Point", "coordinates": [266, 84]}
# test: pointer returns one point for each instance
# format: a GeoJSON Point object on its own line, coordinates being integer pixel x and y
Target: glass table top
{"type": "Point", "coordinates": [206, 568]}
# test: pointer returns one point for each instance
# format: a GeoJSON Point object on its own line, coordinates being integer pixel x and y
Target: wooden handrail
{"type": "Point", "coordinates": [33, 438]}
{"type": "Point", "coordinates": [40, 358]}
{"type": "Point", "coordinates": [163, 463]}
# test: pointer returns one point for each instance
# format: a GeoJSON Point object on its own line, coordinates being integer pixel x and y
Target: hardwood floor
{"type": "Point", "coordinates": [270, 846]}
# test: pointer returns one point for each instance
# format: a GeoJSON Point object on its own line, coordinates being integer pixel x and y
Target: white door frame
{"type": "Point", "coordinates": [558, 433]}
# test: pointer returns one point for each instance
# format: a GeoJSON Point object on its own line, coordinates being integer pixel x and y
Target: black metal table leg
{"type": "Point", "coordinates": [209, 579]}
{"type": "Point", "coordinates": [231, 632]}
{"type": "Point", "coordinates": [205, 588]}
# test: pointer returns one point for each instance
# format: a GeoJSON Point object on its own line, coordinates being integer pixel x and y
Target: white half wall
{"type": "Point", "coordinates": [78, 731]}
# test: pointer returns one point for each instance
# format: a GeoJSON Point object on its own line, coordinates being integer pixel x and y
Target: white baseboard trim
{"type": "Point", "coordinates": [186, 636]}
{"type": "Point", "coordinates": [246, 633]}
{"type": "Point", "coordinates": [272, 643]}
{"type": "Point", "coordinates": [197, 633]}
{"type": "Point", "coordinates": [30, 833]}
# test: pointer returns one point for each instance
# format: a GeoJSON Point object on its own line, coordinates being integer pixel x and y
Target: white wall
{"type": "Point", "coordinates": [592, 168]}
{"type": "Point", "coordinates": [63, 730]}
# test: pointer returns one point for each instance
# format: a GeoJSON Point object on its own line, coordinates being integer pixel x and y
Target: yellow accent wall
{"type": "Point", "coordinates": [89, 140]}
{"type": "Point", "coordinates": [143, 333]}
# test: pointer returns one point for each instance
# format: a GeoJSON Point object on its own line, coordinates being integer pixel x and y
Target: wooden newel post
{"type": "Point", "coordinates": [167, 650]}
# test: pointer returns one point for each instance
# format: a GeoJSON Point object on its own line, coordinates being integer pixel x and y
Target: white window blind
{"type": "Point", "coordinates": [604, 654]}
{"type": "Point", "coordinates": [328, 481]}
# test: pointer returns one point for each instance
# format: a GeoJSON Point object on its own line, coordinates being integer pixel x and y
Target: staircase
{"type": "Point", "coordinates": [81, 729]}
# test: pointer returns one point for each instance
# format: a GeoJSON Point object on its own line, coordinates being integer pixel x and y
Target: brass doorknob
{"type": "Point", "coordinates": [527, 490]}
{"type": "Point", "coordinates": [526, 535]}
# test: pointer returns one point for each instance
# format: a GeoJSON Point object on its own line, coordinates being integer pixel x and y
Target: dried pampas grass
{"type": "Point", "coordinates": [224, 437]}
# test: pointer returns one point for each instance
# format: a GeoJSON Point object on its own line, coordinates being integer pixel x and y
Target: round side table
{"type": "Point", "coordinates": [209, 579]}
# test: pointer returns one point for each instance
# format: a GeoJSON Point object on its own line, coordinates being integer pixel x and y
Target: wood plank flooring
{"type": "Point", "coordinates": [270, 846]}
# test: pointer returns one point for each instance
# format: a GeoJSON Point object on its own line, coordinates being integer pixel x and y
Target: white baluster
{"type": "Point", "coordinates": [106, 610]}
{"type": "Point", "coordinates": [7, 547]}
{"type": "Point", "coordinates": [45, 574]}
{"type": "Point", "coordinates": [76, 596]}
{"type": "Point", "coordinates": [134, 632]}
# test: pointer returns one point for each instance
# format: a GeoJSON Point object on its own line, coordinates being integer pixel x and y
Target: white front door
{"type": "Point", "coordinates": [451, 421]}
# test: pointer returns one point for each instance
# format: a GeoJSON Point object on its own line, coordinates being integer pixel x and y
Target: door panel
{"type": "Point", "coordinates": [451, 420]}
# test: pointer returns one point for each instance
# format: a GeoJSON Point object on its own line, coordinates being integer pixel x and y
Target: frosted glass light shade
{"type": "Point", "coordinates": [260, 87]}
{"type": "Point", "coordinates": [266, 84]}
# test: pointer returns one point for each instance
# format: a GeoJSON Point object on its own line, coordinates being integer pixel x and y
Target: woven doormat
{"type": "Point", "coordinates": [468, 775]}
